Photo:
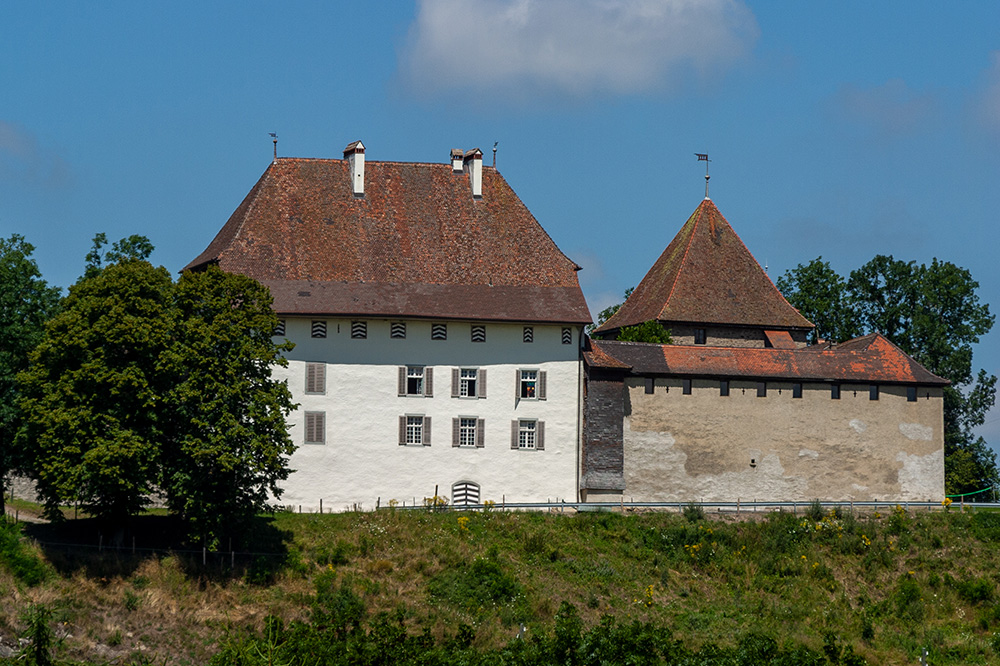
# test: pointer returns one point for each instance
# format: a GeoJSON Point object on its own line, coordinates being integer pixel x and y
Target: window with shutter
{"type": "Point", "coordinates": [529, 334]}
{"type": "Point", "coordinates": [465, 493]}
{"type": "Point", "coordinates": [479, 333]}
{"type": "Point", "coordinates": [528, 384]}
{"type": "Point", "coordinates": [465, 382]}
{"type": "Point", "coordinates": [414, 430]}
{"type": "Point", "coordinates": [527, 434]}
{"type": "Point", "coordinates": [465, 432]}
{"type": "Point", "coordinates": [315, 428]}
{"type": "Point", "coordinates": [397, 329]}
{"type": "Point", "coordinates": [359, 330]}
{"type": "Point", "coordinates": [439, 331]}
{"type": "Point", "coordinates": [316, 378]}
{"type": "Point", "coordinates": [567, 335]}
{"type": "Point", "coordinates": [318, 329]}
{"type": "Point", "coordinates": [280, 328]}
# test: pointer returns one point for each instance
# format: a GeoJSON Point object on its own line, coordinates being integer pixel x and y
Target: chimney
{"type": "Point", "coordinates": [355, 156]}
{"type": "Point", "coordinates": [473, 163]}
{"type": "Point", "coordinates": [457, 157]}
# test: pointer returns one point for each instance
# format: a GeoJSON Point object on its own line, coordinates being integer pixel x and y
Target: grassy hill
{"type": "Point", "coordinates": [883, 585]}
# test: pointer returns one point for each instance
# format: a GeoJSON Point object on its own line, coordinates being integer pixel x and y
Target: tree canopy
{"type": "Point", "coordinates": [141, 385]}
{"type": "Point", "coordinates": [26, 303]}
{"type": "Point", "coordinates": [931, 312]}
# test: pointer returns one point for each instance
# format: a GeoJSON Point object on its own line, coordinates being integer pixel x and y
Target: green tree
{"type": "Point", "coordinates": [92, 394]}
{"type": "Point", "coordinates": [933, 313]}
{"type": "Point", "coordinates": [130, 247]}
{"type": "Point", "coordinates": [26, 303]}
{"type": "Point", "coordinates": [821, 295]}
{"type": "Point", "coordinates": [227, 445]}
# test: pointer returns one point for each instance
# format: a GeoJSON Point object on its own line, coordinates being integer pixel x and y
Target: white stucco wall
{"type": "Point", "coordinates": [362, 461]}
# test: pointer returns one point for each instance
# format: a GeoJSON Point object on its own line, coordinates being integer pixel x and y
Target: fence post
{"type": "Point", "coordinates": [204, 555]}
{"type": "Point", "coordinates": [321, 505]}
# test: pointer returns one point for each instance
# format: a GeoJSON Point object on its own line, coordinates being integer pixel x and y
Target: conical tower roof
{"type": "Point", "coordinates": [707, 276]}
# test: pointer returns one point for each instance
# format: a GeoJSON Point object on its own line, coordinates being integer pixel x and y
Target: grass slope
{"type": "Point", "coordinates": [888, 584]}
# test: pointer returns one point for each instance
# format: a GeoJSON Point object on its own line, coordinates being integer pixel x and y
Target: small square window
{"type": "Point", "coordinates": [911, 394]}
{"type": "Point", "coordinates": [650, 384]}
{"type": "Point", "coordinates": [700, 336]}
{"type": "Point", "coordinates": [724, 387]}
{"type": "Point", "coordinates": [319, 329]}
{"type": "Point", "coordinates": [797, 390]}
{"type": "Point", "coordinates": [873, 392]}
{"type": "Point", "coordinates": [439, 331]}
{"type": "Point", "coordinates": [397, 329]}
{"type": "Point", "coordinates": [686, 386]}
{"type": "Point", "coordinates": [835, 391]}
{"type": "Point", "coordinates": [479, 333]}
{"type": "Point", "coordinates": [359, 330]}
{"type": "Point", "coordinates": [761, 389]}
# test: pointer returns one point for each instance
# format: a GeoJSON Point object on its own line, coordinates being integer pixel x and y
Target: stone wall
{"type": "Point", "coordinates": [707, 447]}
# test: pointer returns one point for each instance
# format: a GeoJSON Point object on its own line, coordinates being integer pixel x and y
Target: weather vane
{"type": "Point", "coordinates": [274, 138]}
{"type": "Point", "coordinates": [703, 157]}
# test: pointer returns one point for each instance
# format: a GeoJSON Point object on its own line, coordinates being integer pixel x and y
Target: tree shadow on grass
{"type": "Point", "coordinates": [104, 551]}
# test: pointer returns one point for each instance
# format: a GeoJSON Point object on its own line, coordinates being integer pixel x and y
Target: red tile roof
{"type": "Point", "coordinates": [707, 276]}
{"type": "Point", "coordinates": [416, 244]}
{"type": "Point", "coordinates": [868, 359]}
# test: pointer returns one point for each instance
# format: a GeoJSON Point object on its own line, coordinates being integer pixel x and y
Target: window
{"type": "Point", "coordinates": [529, 334]}
{"type": "Point", "coordinates": [468, 383]}
{"type": "Point", "coordinates": [416, 380]}
{"type": "Point", "coordinates": [686, 386]}
{"type": "Point", "coordinates": [724, 387]}
{"type": "Point", "coordinates": [280, 328]}
{"type": "Point", "coordinates": [911, 394]}
{"type": "Point", "coordinates": [465, 493]}
{"type": "Point", "coordinates": [531, 384]}
{"type": "Point", "coordinates": [414, 430]}
{"type": "Point", "coordinates": [873, 392]}
{"type": "Point", "coordinates": [479, 333]}
{"type": "Point", "coordinates": [797, 390]}
{"type": "Point", "coordinates": [835, 391]}
{"type": "Point", "coordinates": [527, 435]}
{"type": "Point", "coordinates": [467, 431]}
{"type": "Point", "coordinates": [397, 329]}
{"type": "Point", "coordinates": [700, 336]}
{"type": "Point", "coordinates": [319, 329]}
{"type": "Point", "coordinates": [359, 330]}
{"type": "Point", "coordinates": [315, 427]}
{"type": "Point", "coordinates": [650, 385]}
{"type": "Point", "coordinates": [315, 377]}
{"type": "Point", "coordinates": [567, 335]}
{"type": "Point", "coordinates": [761, 389]}
{"type": "Point", "coordinates": [439, 331]}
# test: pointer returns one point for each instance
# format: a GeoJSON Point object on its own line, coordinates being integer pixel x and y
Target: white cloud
{"type": "Point", "coordinates": [520, 49]}
{"type": "Point", "coordinates": [23, 159]}
{"type": "Point", "coordinates": [890, 109]}
{"type": "Point", "coordinates": [987, 101]}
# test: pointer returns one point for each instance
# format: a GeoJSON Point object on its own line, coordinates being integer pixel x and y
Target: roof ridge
{"type": "Point", "coordinates": [687, 249]}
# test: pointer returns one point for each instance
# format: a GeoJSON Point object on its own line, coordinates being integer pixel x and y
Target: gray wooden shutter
{"type": "Point", "coordinates": [401, 387]}
{"type": "Point", "coordinates": [480, 432]}
{"type": "Point", "coordinates": [427, 431]}
{"type": "Point", "coordinates": [402, 431]}
{"type": "Point", "coordinates": [429, 381]}
{"type": "Point", "coordinates": [513, 434]}
{"type": "Point", "coordinates": [456, 425]}
{"type": "Point", "coordinates": [517, 385]}
{"type": "Point", "coordinates": [456, 375]}
{"type": "Point", "coordinates": [481, 383]}
{"type": "Point", "coordinates": [540, 390]}
{"type": "Point", "coordinates": [540, 435]}
{"type": "Point", "coordinates": [315, 378]}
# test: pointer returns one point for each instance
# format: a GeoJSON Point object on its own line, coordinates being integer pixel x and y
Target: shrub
{"type": "Point", "coordinates": [38, 651]}
{"type": "Point", "coordinates": [815, 511]}
{"type": "Point", "coordinates": [336, 607]}
{"type": "Point", "coordinates": [484, 581]}
{"type": "Point", "coordinates": [908, 601]}
{"type": "Point", "coordinates": [17, 558]}
{"type": "Point", "coordinates": [694, 512]}
{"type": "Point", "coordinates": [974, 591]}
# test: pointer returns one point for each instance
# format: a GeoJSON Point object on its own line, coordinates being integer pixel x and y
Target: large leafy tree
{"type": "Point", "coordinates": [26, 303]}
{"type": "Point", "coordinates": [933, 313]}
{"type": "Point", "coordinates": [227, 444]}
{"type": "Point", "coordinates": [92, 396]}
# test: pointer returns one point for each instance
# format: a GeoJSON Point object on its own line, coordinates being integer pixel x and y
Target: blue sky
{"type": "Point", "coordinates": [837, 129]}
